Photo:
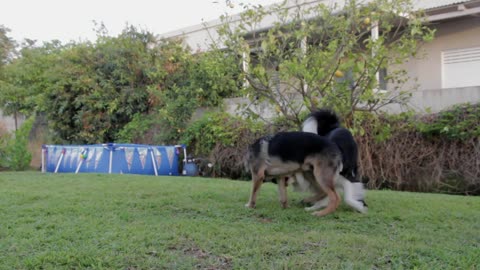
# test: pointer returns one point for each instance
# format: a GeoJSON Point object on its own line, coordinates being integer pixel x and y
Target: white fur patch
{"type": "Point", "coordinates": [310, 125]}
{"type": "Point", "coordinates": [318, 205]}
{"type": "Point", "coordinates": [302, 184]}
{"type": "Point", "coordinates": [353, 193]}
{"type": "Point", "coordinates": [358, 191]}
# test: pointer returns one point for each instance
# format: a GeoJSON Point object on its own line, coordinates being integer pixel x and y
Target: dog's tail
{"type": "Point", "coordinates": [321, 122]}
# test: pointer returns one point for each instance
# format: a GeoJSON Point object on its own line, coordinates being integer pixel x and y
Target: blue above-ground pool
{"type": "Point", "coordinates": [112, 158]}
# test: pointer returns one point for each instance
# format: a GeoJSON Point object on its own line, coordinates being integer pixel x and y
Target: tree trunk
{"type": "Point", "coordinates": [15, 119]}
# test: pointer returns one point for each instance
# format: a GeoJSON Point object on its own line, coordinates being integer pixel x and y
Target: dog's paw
{"type": "Point", "coordinates": [305, 203]}
{"type": "Point", "coordinates": [363, 210]}
{"type": "Point", "coordinates": [359, 206]}
{"type": "Point", "coordinates": [319, 213]}
{"type": "Point", "coordinates": [318, 205]}
{"type": "Point", "coordinates": [250, 205]}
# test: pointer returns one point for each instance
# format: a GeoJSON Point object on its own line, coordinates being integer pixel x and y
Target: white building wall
{"type": "Point", "coordinates": [7, 122]}
{"type": "Point", "coordinates": [450, 35]}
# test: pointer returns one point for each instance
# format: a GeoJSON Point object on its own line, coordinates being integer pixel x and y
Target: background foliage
{"type": "Point", "coordinates": [414, 155]}
{"type": "Point", "coordinates": [14, 154]}
{"type": "Point", "coordinates": [220, 139]}
{"type": "Point", "coordinates": [398, 152]}
{"type": "Point", "coordinates": [90, 92]}
{"type": "Point", "coordinates": [458, 123]}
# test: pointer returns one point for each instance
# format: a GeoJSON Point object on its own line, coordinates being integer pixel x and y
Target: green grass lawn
{"type": "Point", "coordinates": [68, 221]}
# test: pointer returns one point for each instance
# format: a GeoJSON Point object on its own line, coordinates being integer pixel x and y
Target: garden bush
{"type": "Point", "coordinates": [14, 154]}
{"type": "Point", "coordinates": [4, 138]}
{"type": "Point", "coordinates": [141, 129]}
{"type": "Point", "coordinates": [432, 153]}
{"type": "Point", "coordinates": [222, 140]}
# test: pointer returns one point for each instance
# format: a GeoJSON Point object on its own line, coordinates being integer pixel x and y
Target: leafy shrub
{"type": "Point", "coordinates": [223, 140]}
{"type": "Point", "coordinates": [214, 76]}
{"type": "Point", "coordinates": [395, 152]}
{"type": "Point", "coordinates": [4, 138]}
{"type": "Point", "coordinates": [15, 155]}
{"type": "Point", "coordinates": [433, 153]}
{"type": "Point", "coordinates": [201, 80]}
{"type": "Point", "coordinates": [173, 117]}
{"type": "Point", "coordinates": [137, 129]}
{"type": "Point", "coordinates": [457, 123]}
{"type": "Point", "coordinates": [216, 128]}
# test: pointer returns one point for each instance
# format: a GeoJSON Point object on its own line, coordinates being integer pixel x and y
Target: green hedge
{"type": "Point", "coordinates": [14, 154]}
{"type": "Point", "coordinates": [432, 153]}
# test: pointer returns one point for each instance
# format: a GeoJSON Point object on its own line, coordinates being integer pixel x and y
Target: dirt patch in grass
{"type": "Point", "coordinates": [263, 219]}
{"type": "Point", "coordinates": [206, 259]}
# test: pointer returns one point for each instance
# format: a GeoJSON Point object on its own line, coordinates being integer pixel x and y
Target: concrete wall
{"type": "Point", "coordinates": [7, 122]}
{"type": "Point", "coordinates": [435, 100]}
{"type": "Point", "coordinates": [432, 100]}
{"type": "Point", "coordinates": [239, 106]}
{"type": "Point", "coordinates": [439, 99]}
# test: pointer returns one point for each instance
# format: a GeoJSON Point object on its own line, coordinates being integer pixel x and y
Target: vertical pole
{"type": "Point", "coordinates": [44, 151]}
{"type": "Point", "coordinates": [111, 159]}
{"type": "Point", "coordinates": [81, 161]}
{"type": "Point", "coordinates": [15, 117]}
{"type": "Point", "coordinates": [303, 47]}
{"type": "Point", "coordinates": [375, 34]}
{"type": "Point", "coordinates": [153, 161]}
{"type": "Point", "coordinates": [184, 172]}
{"type": "Point", "coordinates": [245, 60]}
{"type": "Point", "coordinates": [60, 160]}
{"type": "Point", "coordinates": [79, 165]}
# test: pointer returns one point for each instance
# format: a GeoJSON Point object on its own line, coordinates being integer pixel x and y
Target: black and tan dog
{"type": "Point", "coordinates": [287, 153]}
{"type": "Point", "coordinates": [327, 124]}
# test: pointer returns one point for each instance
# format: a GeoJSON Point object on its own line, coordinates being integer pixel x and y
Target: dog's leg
{"type": "Point", "coordinates": [309, 184]}
{"type": "Point", "coordinates": [354, 195]}
{"type": "Point", "coordinates": [257, 181]}
{"type": "Point", "coordinates": [359, 193]}
{"type": "Point", "coordinates": [322, 203]}
{"type": "Point", "coordinates": [282, 192]}
{"type": "Point", "coordinates": [319, 195]}
{"type": "Point", "coordinates": [313, 199]}
{"type": "Point", "coordinates": [325, 176]}
{"type": "Point", "coordinates": [333, 202]}
{"type": "Point", "coordinates": [302, 184]}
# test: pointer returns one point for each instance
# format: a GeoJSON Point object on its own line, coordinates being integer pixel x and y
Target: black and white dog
{"type": "Point", "coordinates": [288, 153]}
{"type": "Point", "coordinates": [326, 124]}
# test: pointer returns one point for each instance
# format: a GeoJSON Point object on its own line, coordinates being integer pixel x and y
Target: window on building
{"type": "Point", "coordinates": [460, 67]}
{"type": "Point", "coordinates": [382, 76]}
